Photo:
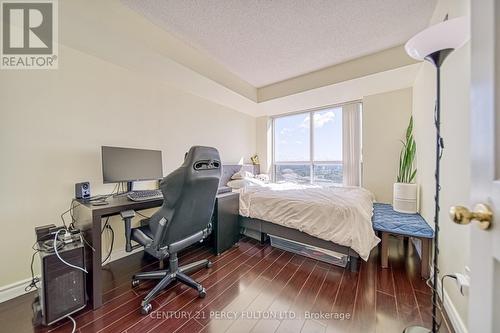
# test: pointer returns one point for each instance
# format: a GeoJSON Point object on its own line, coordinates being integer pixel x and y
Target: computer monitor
{"type": "Point", "coordinates": [129, 164]}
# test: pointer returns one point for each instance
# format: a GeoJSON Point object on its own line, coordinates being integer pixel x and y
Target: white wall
{"type": "Point", "coordinates": [385, 118]}
{"type": "Point", "coordinates": [455, 174]}
{"type": "Point", "coordinates": [52, 124]}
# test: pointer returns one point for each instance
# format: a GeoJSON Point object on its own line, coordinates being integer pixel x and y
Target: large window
{"type": "Point", "coordinates": [308, 147]}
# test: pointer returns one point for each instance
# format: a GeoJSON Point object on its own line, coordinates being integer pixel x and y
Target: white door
{"type": "Point", "coordinates": [484, 299]}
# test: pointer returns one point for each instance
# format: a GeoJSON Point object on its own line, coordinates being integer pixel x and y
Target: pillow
{"type": "Point", "coordinates": [245, 182]}
{"type": "Point", "coordinates": [242, 174]}
{"type": "Point", "coordinates": [263, 177]}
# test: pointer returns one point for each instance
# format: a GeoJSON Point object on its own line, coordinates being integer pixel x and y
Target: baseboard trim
{"type": "Point", "coordinates": [13, 290]}
{"type": "Point", "coordinates": [16, 289]}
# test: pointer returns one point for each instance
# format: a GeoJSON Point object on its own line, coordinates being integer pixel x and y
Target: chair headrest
{"type": "Point", "coordinates": [202, 158]}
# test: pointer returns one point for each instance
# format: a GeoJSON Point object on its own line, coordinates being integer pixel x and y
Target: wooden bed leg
{"type": "Point", "coordinates": [384, 256]}
{"type": "Point", "coordinates": [409, 247]}
{"type": "Point", "coordinates": [263, 238]}
{"type": "Point", "coordinates": [353, 264]}
{"type": "Point", "coordinates": [424, 264]}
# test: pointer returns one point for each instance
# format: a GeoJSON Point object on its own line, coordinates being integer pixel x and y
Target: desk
{"type": "Point", "coordinates": [89, 220]}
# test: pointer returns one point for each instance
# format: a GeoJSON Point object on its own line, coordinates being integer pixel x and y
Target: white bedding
{"type": "Point", "coordinates": [338, 214]}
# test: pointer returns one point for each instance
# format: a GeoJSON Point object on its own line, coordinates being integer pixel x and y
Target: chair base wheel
{"type": "Point", "coordinates": [202, 293]}
{"type": "Point", "coordinates": [209, 264]}
{"type": "Point", "coordinates": [135, 283]}
{"type": "Point", "coordinates": [146, 309]}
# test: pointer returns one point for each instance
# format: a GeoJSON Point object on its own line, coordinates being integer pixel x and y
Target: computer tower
{"type": "Point", "coordinates": [62, 288]}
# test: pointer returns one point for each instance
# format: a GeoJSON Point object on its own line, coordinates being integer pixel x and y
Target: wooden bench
{"type": "Point", "coordinates": [387, 221]}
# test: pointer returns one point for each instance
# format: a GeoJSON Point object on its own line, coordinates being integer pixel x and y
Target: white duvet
{"type": "Point", "coordinates": [338, 214]}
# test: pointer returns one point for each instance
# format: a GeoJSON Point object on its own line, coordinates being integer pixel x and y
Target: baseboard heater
{"type": "Point", "coordinates": [310, 251]}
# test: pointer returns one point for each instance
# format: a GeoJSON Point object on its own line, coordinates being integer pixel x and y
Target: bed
{"type": "Point", "coordinates": [336, 219]}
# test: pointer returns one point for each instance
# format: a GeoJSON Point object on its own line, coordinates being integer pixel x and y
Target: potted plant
{"type": "Point", "coordinates": [405, 190]}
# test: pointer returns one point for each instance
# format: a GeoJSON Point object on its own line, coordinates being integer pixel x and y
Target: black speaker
{"type": "Point", "coordinates": [82, 190]}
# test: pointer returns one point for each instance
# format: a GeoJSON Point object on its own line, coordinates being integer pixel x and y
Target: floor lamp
{"type": "Point", "coordinates": [434, 44]}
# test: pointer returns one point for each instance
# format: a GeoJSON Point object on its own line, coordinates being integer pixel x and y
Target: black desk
{"type": "Point", "coordinates": [89, 219]}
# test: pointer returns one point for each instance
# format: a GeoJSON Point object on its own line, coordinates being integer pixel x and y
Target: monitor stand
{"type": "Point", "coordinates": [130, 186]}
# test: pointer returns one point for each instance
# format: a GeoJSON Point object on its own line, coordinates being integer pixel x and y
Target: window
{"type": "Point", "coordinates": [327, 138]}
{"type": "Point", "coordinates": [308, 147]}
{"type": "Point", "coordinates": [292, 138]}
{"type": "Point", "coordinates": [292, 148]}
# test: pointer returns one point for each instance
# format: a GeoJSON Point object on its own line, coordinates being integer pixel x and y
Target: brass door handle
{"type": "Point", "coordinates": [482, 214]}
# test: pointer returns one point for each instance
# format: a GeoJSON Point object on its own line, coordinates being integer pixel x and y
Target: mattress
{"type": "Point", "coordinates": [338, 214]}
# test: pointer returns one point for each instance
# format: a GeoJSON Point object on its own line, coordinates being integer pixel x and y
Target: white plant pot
{"type": "Point", "coordinates": [405, 198]}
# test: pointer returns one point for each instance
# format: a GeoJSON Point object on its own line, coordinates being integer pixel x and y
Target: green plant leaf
{"type": "Point", "coordinates": [414, 173]}
{"type": "Point", "coordinates": [409, 129]}
{"type": "Point", "coordinates": [406, 173]}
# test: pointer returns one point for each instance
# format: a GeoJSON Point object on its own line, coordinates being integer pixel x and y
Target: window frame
{"type": "Point", "coordinates": [311, 162]}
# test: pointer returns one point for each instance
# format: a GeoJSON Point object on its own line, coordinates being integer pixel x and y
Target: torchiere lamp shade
{"type": "Point", "coordinates": [451, 34]}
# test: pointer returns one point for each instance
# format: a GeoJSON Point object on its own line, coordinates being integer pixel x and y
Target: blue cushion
{"type": "Point", "coordinates": [386, 219]}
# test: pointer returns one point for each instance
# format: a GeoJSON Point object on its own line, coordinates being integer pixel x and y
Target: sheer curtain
{"type": "Point", "coordinates": [351, 144]}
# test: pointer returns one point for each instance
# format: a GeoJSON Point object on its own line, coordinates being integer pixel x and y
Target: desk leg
{"type": "Point", "coordinates": [96, 263]}
{"type": "Point", "coordinates": [385, 250]}
{"type": "Point", "coordinates": [424, 264]}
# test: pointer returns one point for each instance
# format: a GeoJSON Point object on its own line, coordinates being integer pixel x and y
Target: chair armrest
{"type": "Point", "coordinates": [127, 217]}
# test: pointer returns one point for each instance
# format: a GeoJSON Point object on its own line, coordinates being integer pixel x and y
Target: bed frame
{"type": "Point", "coordinates": [268, 228]}
{"type": "Point", "coordinates": [265, 227]}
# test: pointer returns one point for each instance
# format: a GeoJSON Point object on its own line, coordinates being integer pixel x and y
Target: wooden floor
{"type": "Point", "coordinates": [255, 288]}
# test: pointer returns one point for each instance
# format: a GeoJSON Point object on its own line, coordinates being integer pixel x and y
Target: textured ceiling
{"type": "Point", "coordinates": [267, 41]}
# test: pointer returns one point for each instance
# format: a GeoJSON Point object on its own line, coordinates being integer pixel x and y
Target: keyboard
{"type": "Point", "coordinates": [145, 195]}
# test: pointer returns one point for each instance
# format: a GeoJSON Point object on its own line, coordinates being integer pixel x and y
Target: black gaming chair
{"type": "Point", "coordinates": [184, 219]}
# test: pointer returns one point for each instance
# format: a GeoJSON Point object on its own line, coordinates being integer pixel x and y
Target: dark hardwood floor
{"type": "Point", "coordinates": [255, 288]}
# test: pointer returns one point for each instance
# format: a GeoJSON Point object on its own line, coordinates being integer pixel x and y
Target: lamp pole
{"type": "Point", "coordinates": [434, 44]}
{"type": "Point", "coordinates": [437, 59]}
{"type": "Point", "coordinates": [439, 147]}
